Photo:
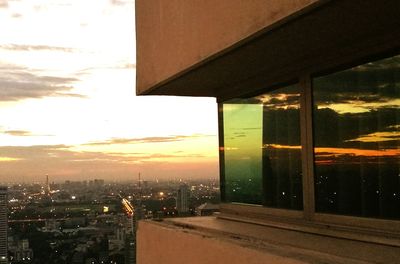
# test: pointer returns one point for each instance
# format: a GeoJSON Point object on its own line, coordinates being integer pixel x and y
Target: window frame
{"type": "Point", "coordinates": [361, 228]}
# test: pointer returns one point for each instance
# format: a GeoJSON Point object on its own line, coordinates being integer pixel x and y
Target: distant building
{"type": "Point", "coordinates": [3, 225]}
{"type": "Point", "coordinates": [22, 251]}
{"type": "Point", "coordinates": [130, 249]}
{"type": "Point", "coordinates": [98, 182]}
{"type": "Point", "coordinates": [182, 199]}
{"type": "Point", "coordinates": [207, 209]}
{"type": "Point", "coordinates": [51, 224]}
{"type": "Point", "coordinates": [130, 238]}
{"type": "Point", "coordinates": [117, 240]}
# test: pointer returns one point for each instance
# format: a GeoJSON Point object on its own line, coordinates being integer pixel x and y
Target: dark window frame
{"type": "Point", "coordinates": [360, 228]}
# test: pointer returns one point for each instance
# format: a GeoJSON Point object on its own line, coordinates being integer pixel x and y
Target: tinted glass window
{"type": "Point", "coordinates": [356, 140]}
{"type": "Point", "coordinates": [262, 149]}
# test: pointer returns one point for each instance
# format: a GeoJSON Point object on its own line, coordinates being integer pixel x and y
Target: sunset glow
{"type": "Point", "coordinates": [68, 106]}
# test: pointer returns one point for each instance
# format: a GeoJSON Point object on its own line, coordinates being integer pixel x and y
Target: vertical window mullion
{"type": "Point", "coordinates": [221, 151]}
{"type": "Point", "coordinates": [307, 146]}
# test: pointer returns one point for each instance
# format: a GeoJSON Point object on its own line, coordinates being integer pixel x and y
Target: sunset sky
{"type": "Point", "coordinates": [68, 106]}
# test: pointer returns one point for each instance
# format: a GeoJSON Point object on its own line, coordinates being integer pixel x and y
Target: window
{"type": "Point", "coordinates": [350, 160]}
{"type": "Point", "coordinates": [356, 136]}
{"type": "Point", "coordinates": [262, 149]}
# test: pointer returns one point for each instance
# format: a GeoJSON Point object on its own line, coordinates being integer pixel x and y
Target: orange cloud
{"type": "Point", "coordinates": [145, 140]}
{"type": "Point", "coordinates": [378, 137]}
{"type": "Point", "coordinates": [356, 152]}
{"type": "Point", "coordinates": [277, 146]}
{"type": "Point", "coordinates": [326, 156]}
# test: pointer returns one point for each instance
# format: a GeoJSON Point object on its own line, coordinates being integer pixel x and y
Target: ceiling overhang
{"type": "Point", "coordinates": [331, 35]}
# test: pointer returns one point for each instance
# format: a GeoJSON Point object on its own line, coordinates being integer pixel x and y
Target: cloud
{"type": "Point", "coordinates": [379, 137]}
{"type": "Point", "coordinates": [66, 154]}
{"type": "Point", "coordinates": [330, 156]}
{"type": "Point", "coordinates": [348, 130]}
{"type": "Point", "coordinates": [121, 2]}
{"type": "Point", "coordinates": [21, 133]}
{"type": "Point", "coordinates": [17, 47]}
{"type": "Point", "coordinates": [129, 66]}
{"type": "Point", "coordinates": [18, 133]}
{"type": "Point", "coordinates": [289, 98]}
{"type": "Point", "coordinates": [144, 140]}
{"type": "Point", "coordinates": [3, 3]}
{"type": "Point", "coordinates": [122, 66]}
{"type": "Point", "coordinates": [366, 88]}
{"type": "Point", "coordinates": [363, 84]}
{"type": "Point", "coordinates": [30, 152]}
{"type": "Point", "coordinates": [62, 155]}
{"type": "Point", "coordinates": [18, 83]}
{"type": "Point", "coordinates": [27, 163]}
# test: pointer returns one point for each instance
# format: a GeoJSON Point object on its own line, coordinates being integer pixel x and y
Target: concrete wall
{"type": "Point", "coordinates": [204, 240]}
{"type": "Point", "coordinates": [166, 244]}
{"type": "Point", "coordinates": [173, 35]}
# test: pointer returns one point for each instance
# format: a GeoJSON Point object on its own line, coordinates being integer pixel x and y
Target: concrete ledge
{"type": "Point", "coordinates": [210, 240]}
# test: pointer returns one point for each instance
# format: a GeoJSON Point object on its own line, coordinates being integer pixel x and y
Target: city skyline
{"type": "Point", "coordinates": [68, 106]}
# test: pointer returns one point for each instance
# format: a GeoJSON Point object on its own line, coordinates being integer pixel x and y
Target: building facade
{"type": "Point", "coordinates": [182, 199]}
{"type": "Point", "coordinates": [309, 103]}
{"type": "Point", "coordinates": [3, 225]}
{"type": "Point", "coordinates": [21, 251]}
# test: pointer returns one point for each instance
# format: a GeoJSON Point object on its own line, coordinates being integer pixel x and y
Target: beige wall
{"type": "Point", "coordinates": [203, 240]}
{"type": "Point", "coordinates": [162, 244]}
{"type": "Point", "coordinates": [173, 35]}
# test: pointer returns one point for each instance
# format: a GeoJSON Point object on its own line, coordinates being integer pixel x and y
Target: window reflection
{"type": "Point", "coordinates": [243, 152]}
{"type": "Point", "coordinates": [262, 149]}
{"type": "Point", "coordinates": [356, 137]}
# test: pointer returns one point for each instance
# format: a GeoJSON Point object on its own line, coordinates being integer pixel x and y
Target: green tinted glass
{"type": "Point", "coordinates": [262, 153]}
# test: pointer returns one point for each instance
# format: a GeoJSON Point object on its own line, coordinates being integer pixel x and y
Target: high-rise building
{"type": "Point", "coordinates": [3, 225]}
{"type": "Point", "coordinates": [47, 187]}
{"type": "Point", "coordinates": [308, 103]}
{"type": "Point", "coordinates": [182, 199]}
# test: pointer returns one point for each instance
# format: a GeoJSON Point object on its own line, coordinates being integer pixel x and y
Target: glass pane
{"type": "Point", "coordinates": [243, 152]}
{"type": "Point", "coordinates": [262, 149]}
{"type": "Point", "coordinates": [356, 134]}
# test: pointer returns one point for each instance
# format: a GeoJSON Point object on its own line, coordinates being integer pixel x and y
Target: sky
{"type": "Point", "coordinates": [68, 106]}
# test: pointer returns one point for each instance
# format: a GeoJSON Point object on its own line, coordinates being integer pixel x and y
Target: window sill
{"type": "Point", "coordinates": [301, 243]}
{"type": "Point", "coordinates": [377, 231]}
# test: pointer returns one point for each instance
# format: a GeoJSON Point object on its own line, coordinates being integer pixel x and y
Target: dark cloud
{"type": "Point", "coordinates": [375, 129]}
{"type": "Point", "coordinates": [373, 88]}
{"type": "Point", "coordinates": [145, 140]}
{"type": "Point", "coordinates": [374, 82]}
{"type": "Point", "coordinates": [280, 100]}
{"type": "Point", "coordinates": [281, 126]}
{"type": "Point", "coordinates": [18, 47]}
{"type": "Point", "coordinates": [18, 83]}
{"type": "Point", "coordinates": [342, 130]}
{"type": "Point", "coordinates": [334, 158]}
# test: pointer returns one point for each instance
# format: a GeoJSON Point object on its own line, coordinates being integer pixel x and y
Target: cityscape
{"type": "Point", "coordinates": [74, 137]}
{"type": "Point", "coordinates": [92, 221]}
{"type": "Point", "coordinates": [175, 132]}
